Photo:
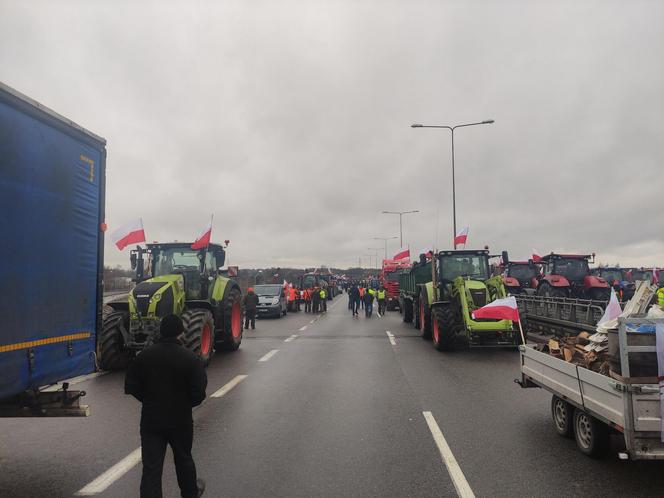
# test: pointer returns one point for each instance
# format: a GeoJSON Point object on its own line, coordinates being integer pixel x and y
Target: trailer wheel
{"type": "Point", "coordinates": [424, 317]}
{"type": "Point", "coordinates": [232, 333]}
{"type": "Point", "coordinates": [407, 311]}
{"type": "Point", "coordinates": [562, 414]}
{"type": "Point", "coordinates": [442, 336]}
{"type": "Point", "coordinates": [199, 333]}
{"type": "Point", "coordinates": [111, 354]}
{"type": "Point", "coordinates": [592, 436]}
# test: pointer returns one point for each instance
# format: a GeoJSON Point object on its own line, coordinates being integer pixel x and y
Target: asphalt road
{"type": "Point", "coordinates": [336, 411]}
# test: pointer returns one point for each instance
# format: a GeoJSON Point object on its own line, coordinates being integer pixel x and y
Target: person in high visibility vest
{"type": "Point", "coordinates": [323, 300]}
{"type": "Point", "coordinates": [362, 292]}
{"type": "Point", "coordinates": [660, 297]}
{"type": "Point", "coordinates": [368, 302]}
{"type": "Point", "coordinates": [298, 299]}
{"type": "Point", "coordinates": [307, 300]}
{"type": "Point", "coordinates": [382, 300]}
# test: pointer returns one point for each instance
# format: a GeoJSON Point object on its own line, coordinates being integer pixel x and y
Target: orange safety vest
{"type": "Point", "coordinates": [291, 294]}
{"type": "Point", "coordinates": [361, 291]}
{"type": "Point", "coordinates": [307, 295]}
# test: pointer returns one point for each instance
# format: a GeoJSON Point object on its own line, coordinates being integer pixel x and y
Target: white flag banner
{"type": "Point", "coordinates": [613, 310]}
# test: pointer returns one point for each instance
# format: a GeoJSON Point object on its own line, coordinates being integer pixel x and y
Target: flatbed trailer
{"type": "Point", "coordinates": [589, 406]}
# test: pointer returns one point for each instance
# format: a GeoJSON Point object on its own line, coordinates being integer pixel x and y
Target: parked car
{"type": "Point", "coordinates": [272, 300]}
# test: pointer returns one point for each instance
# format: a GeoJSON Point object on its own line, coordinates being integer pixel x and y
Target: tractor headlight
{"type": "Point", "coordinates": [156, 297]}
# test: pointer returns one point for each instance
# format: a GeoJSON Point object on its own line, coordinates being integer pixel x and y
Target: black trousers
{"type": "Point", "coordinates": [153, 450]}
{"type": "Point", "coordinates": [250, 316]}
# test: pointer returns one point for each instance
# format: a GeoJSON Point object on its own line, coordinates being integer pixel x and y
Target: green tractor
{"type": "Point", "coordinates": [463, 283]}
{"type": "Point", "coordinates": [178, 280]}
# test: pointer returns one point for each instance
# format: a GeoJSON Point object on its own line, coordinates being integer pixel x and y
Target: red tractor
{"type": "Point", "coordinates": [568, 275]}
{"type": "Point", "coordinates": [389, 278]}
{"type": "Point", "coordinates": [521, 277]}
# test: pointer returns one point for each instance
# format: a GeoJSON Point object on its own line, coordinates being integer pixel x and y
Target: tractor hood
{"type": "Point", "coordinates": [157, 297]}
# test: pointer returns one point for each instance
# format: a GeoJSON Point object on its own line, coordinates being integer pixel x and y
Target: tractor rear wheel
{"type": "Point", "coordinates": [407, 310]}
{"type": "Point", "coordinates": [232, 333]}
{"type": "Point", "coordinates": [425, 316]}
{"type": "Point", "coordinates": [442, 333]}
{"type": "Point", "coordinates": [199, 333]}
{"type": "Point", "coordinates": [111, 354]}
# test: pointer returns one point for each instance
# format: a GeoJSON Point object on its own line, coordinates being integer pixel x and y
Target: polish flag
{"type": "Point", "coordinates": [461, 237]}
{"type": "Point", "coordinates": [131, 233]}
{"type": "Point", "coordinates": [203, 239]}
{"type": "Point", "coordinates": [655, 275]}
{"type": "Point", "coordinates": [427, 251]}
{"type": "Point", "coordinates": [536, 256]}
{"type": "Point", "coordinates": [402, 254]}
{"type": "Point", "coordinates": [500, 309]}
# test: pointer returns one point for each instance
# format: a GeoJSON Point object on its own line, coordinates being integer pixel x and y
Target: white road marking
{"type": "Point", "coordinates": [291, 338]}
{"type": "Point", "coordinates": [460, 483]}
{"type": "Point", "coordinates": [303, 328]}
{"type": "Point", "coordinates": [390, 336]}
{"type": "Point", "coordinates": [269, 355]}
{"type": "Point", "coordinates": [102, 482]}
{"type": "Point", "coordinates": [228, 386]}
{"type": "Point", "coordinates": [312, 321]}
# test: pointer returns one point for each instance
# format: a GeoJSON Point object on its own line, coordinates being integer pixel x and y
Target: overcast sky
{"type": "Point", "coordinates": [291, 120]}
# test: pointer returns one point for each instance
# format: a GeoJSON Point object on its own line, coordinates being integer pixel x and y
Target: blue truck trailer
{"type": "Point", "coordinates": [52, 184]}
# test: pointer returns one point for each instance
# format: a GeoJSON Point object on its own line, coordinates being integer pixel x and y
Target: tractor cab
{"type": "Point", "coordinates": [618, 278]}
{"type": "Point", "coordinates": [568, 275]}
{"type": "Point", "coordinates": [521, 276]}
{"type": "Point", "coordinates": [469, 265]}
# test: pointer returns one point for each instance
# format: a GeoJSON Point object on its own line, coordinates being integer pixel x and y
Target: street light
{"type": "Point", "coordinates": [385, 239]}
{"type": "Point", "coordinates": [369, 256]}
{"type": "Point", "coordinates": [452, 128]}
{"type": "Point", "coordinates": [375, 249]}
{"type": "Point", "coordinates": [401, 213]}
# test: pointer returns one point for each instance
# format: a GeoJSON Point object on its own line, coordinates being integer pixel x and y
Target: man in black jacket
{"type": "Point", "coordinates": [169, 380]}
{"type": "Point", "coordinates": [250, 303]}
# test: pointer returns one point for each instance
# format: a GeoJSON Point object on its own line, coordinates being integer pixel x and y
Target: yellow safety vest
{"type": "Point", "coordinates": [323, 295]}
{"type": "Point", "coordinates": [660, 297]}
{"type": "Point", "coordinates": [381, 294]}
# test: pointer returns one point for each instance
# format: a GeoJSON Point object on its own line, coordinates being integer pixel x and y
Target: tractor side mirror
{"type": "Point", "coordinates": [505, 257]}
{"type": "Point", "coordinates": [132, 260]}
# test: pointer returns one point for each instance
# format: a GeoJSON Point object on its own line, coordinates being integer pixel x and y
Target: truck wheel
{"type": "Point", "coordinates": [592, 436]}
{"type": "Point", "coordinates": [232, 333]}
{"type": "Point", "coordinates": [425, 317]}
{"type": "Point", "coordinates": [442, 336]}
{"type": "Point", "coordinates": [407, 311]}
{"type": "Point", "coordinates": [111, 354]}
{"type": "Point", "coordinates": [562, 414]}
{"type": "Point", "coordinates": [199, 333]}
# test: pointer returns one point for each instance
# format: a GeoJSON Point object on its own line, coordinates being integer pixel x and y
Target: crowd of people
{"type": "Point", "coordinates": [361, 296]}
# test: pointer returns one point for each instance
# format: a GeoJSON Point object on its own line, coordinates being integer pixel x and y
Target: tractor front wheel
{"type": "Point", "coordinates": [199, 333]}
{"type": "Point", "coordinates": [442, 330]}
{"type": "Point", "coordinates": [111, 354]}
{"type": "Point", "coordinates": [232, 334]}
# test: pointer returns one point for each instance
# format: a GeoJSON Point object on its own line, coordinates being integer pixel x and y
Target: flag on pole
{"type": "Point", "coordinates": [203, 240]}
{"type": "Point", "coordinates": [402, 254]}
{"type": "Point", "coordinates": [536, 256]}
{"type": "Point", "coordinates": [461, 236]}
{"type": "Point", "coordinates": [131, 233]}
{"type": "Point", "coordinates": [655, 278]}
{"type": "Point", "coordinates": [613, 309]}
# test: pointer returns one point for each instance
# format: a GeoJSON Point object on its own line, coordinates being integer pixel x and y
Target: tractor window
{"type": "Point", "coordinates": [611, 275]}
{"type": "Point", "coordinates": [308, 281]}
{"type": "Point", "coordinates": [571, 269]}
{"type": "Point", "coordinates": [210, 262]}
{"type": "Point", "coordinates": [522, 272]}
{"type": "Point", "coordinates": [169, 260]}
{"type": "Point", "coordinates": [642, 275]}
{"type": "Point", "coordinates": [464, 266]}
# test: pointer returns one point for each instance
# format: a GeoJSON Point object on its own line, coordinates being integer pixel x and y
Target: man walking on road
{"type": "Point", "coordinates": [307, 300]}
{"type": "Point", "coordinates": [169, 380]}
{"type": "Point", "coordinates": [382, 300]}
{"type": "Point", "coordinates": [323, 300]}
{"type": "Point", "coordinates": [368, 302]}
{"type": "Point", "coordinates": [250, 302]}
{"type": "Point", "coordinates": [354, 297]}
{"type": "Point", "coordinates": [315, 299]}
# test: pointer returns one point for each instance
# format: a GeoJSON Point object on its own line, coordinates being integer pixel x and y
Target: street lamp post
{"type": "Point", "coordinates": [401, 213]}
{"type": "Point", "coordinates": [375, 249]}
{"type": "Point", "coordinates": [385, 239]}
{"type": "Point", "coordinates": [452, 128]}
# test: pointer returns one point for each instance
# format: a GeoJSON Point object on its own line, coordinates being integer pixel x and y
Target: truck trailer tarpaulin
{"type": "Point", "coordinates": [52, 180]}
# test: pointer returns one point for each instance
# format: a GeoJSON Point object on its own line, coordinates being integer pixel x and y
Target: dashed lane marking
{"type": "Point", "coordinates": [291, 338]}
{"type": "Point", "coordinates": [303, 328]}
{"type": "Point", "coordinates": [458, 479]}
{"type": "Point", "coordinates": [269, 355]}
{"type": "Point", "coordinates": [390, 336]}
{"type": "Point", "coordinates": [312, 321]}
{"type": "Point", "coordinates": [228, 386]}
{"type": "Point", "coordinates": [102, 482]}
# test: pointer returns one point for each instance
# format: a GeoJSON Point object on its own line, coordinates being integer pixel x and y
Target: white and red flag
{"type": "Point", "coordinates": [131, 233]}
{"type": "Point", "coordinates": [655, 280]}
{"type": "Point", "coordinates": [537, 256]}
{"type": "Point", "coordinates": [500, 309]}
{"type": "Point", "coordinates": [613, 309]}
{"type": "Point", "coordinates": [461, 237]}
{"type": "Point", "coordinates": [402, 254]}
{"type": "Point", "coordinates": [203, 240]}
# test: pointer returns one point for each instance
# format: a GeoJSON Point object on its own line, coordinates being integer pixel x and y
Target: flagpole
{"type": "Point", "coordinates": [523, 337]}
